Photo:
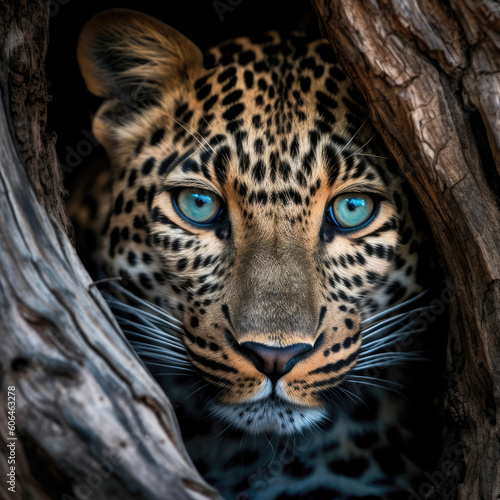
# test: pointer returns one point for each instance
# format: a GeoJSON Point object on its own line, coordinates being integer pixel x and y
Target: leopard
{"type": "Point", "coordinates": [247, 198]}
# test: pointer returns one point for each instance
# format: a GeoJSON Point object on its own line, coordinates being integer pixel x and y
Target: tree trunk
{"type": "Point", "coordinates": [89, 420]}
{"type": "Point", "coordinates": [430, 72]}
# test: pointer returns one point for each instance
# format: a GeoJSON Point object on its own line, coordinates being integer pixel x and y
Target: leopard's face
{"type": "Point", "coordinates": [247, 200]}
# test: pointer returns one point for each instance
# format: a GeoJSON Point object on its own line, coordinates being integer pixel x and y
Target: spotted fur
{"type": "Point", "coordinates": [274, 127]}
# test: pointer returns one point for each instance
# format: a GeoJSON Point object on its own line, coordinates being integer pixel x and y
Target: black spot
{"type": "Point", "coordinates": [337, 74]}
{"type": "Point", "coordinates": [366, 440]}
{"type": "Point", "coordinates": [146, 258]}
{"type": "Point", "coordinates": [132, 177]}
{"type": "Point", "coordinates": [248, 79]}
{"type": "Point", "coordinates": [233, 112]}
{"type": "Point", "coordinates": [297, 468]}
{"type": "Point", "coordinates": [131, 258]}
{"type": "Point", "coordinates": [139, 147]}
{"type": "Point", "coordinates": [225, 312]}
{"type": "Point", "coordinates": [246, 57]}
{"type": "Point", "coordinates": [258, 146]}
{"type": "Point", "coordinates": [348, 323]}
{"type": "Point", "coordinates": [232, 97]}
{"type": "Point", "coordinates": [157, 136]}
{"type": "Point", "coordinates": [194, 322]}
{"type": "Point", "coordinates": [148, 166]}
{"type": "Point", "coordinates": [326, 53]}
{"type": "Point", "coordinates": [225, 75]}
{"type": "Point", "coordinates": [331, 86]}
{"type": "Point", "coordinates": [167, 163]}
{"type": "Point", "coordinates": [190, 165]}
{"type": "Point", "coordinates": [114, 238]}
{"type": "Point", "coordinates": [223, 232]}
{"type": "Point", "coordinates": [220, 161]}
{"type": "Point", "coordinates": [305, 83]}
{"type": "Point", "coordinates": [203, 92]}
{"type": "Point", "coordinates": [390, 461]}
{"type": "Point", "coordinates": [145, 281]}
{"type": "Point", "coordinates": [141, 194]}
{"type": "Point", "coordinates": [284, 170]}
{"type": "Point", "coordinates": [259, 171]}
{"type": "Point", "coordinates": [213, 347]}
{"type": "Point", "coordinates": [210, 102]}
{"type": "Point", "coordinates": [335, 348]}
{"type": "Point", "coordinates": [118, 204]}
{"type": "Point", "coordinates": [230, 84]}
{"type": "Point", "coordinates": [181, 110]}
{"type": "Point", "coordinates": [350, 468]}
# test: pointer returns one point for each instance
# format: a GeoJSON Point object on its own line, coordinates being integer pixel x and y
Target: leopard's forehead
{"type": "Point", "coordinates": [268, 118]}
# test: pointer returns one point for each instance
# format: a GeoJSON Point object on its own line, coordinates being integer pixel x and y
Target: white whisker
{"type": "Point", "coordinates": [393, 309]}
{"type": "Point", "coordinates": [186, 127]}
{"type": "Point", "coordinates": [361, 147]}
{"type": "Point", "coordinates": [352, 138]}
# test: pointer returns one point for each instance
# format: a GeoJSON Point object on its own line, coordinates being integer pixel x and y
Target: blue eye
{"type": "Point", "coordinates": [198, 205]}
{"type": "Point", "coordinates": [352, 210]}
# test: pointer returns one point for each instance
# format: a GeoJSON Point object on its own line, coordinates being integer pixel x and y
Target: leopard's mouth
{"type": "Point", "coordinates": [269, 414]}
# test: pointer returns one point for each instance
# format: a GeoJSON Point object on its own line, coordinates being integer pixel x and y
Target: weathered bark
{"type": "Point", "coordinates": [90, 420]}
{"type": "Point", "coordinates": [422, 66]}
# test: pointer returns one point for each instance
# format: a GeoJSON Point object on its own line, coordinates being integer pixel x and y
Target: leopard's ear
{"type": "Point", "coordinates": [130, 56]}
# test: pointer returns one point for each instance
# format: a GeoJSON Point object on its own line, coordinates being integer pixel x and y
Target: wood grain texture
{"type": "Point", "coordinates": [419, 64]}
{"type": "Point", "coordinates": [90, 420]}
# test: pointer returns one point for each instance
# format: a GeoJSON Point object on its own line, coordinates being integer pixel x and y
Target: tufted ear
{"type": "Point", "coordinates": [129, 56]}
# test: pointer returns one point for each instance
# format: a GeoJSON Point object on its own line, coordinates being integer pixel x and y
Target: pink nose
{"type": "Point", "coordinates": [275, 361]}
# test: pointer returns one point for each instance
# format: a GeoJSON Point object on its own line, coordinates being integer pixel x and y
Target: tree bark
{"type": "Point", "coordinates": [429, 71]}
{"type": "Point", "coordinates": [89, 419]}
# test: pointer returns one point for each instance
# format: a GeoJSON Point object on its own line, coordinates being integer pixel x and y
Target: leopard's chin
{"type": "Point", "coordinates": [269, 415]}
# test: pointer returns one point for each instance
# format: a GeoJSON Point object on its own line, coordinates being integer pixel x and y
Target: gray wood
{"type": "Point", "coordinates": [90, 420]}
{"type": "Point", "coordinates": [423, 68]}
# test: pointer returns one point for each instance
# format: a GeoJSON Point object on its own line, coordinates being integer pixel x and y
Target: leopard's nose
{"type": "Point", "coordinates": [275, 361]}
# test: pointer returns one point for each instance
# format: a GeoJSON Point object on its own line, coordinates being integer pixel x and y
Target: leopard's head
{"type": "Point", "coordinates": [247, 199]}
